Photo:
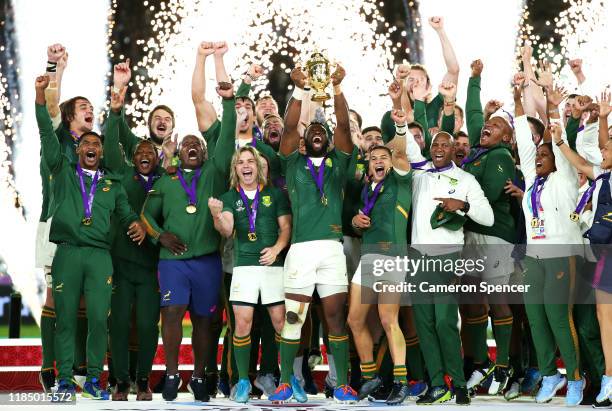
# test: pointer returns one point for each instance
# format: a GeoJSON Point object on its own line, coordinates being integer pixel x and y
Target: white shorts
{"type": "Point", "coordinates": [499, 264]}
{"type": "Point", "coordinates": [315, 262]}
{"type": "Point", "coordinates": [45, 250]}
{"type": "Point", "coordinates": [352, 252]}
{"type": "Point", "coordinates": [392, 276]}
{"type": "Point", "coordinates": [249, 282]}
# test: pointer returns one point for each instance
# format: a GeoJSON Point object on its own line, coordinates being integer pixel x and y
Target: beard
{"type": "Point", "coordinates": [312, 152]}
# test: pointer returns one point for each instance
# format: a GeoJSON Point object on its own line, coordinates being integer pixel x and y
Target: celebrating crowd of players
{"type": "Point", "coordinates": [264, 216]}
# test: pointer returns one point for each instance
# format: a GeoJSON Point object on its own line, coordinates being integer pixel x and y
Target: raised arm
{"type": "Point", "coordinates": [554, 96]}
{"type": "Point", "coordinates": [342, 132]}
{"type": "Point", "coordinates": [576, 66]}
{"type": "Point", "coordinates": [574, 158]}
{"type": "Point", "coordinates": [122, 74]}
{"type": "Point", "coordinates": [50, 146]}
{"type": "Point", "coordinates": [534, 100]}
{"type": "Point", "coordinates": [220, 72]}
{"type": "Point", "coordinates": [419, 92]}
{"type": "Point", "coordinates": [452, 65]}
{"type": "Point", "coordinates": [448, 91]}
{"type": "Point", "coordinates": [225, 147]}
{"type": "Point", "coordinates": [291, 137]}
{"type": "Point", "coordinates": [57, 59]}
{"type": "Point", "coordinates": [604, 111]}
{"type": "Point", "coordinates": [524, 139]}
{"type": "Point", "coordinates": [113, 158]}
{"type": "Point", "coordinates": [398, 144]}
{"type": "Point", "coordinates": [205, 112]}
{"type": "Point", "coordinates": [474, 116]}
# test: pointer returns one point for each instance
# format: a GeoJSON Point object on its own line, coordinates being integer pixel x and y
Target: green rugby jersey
{"type": "Point", "coordinates": [311, 219]}
{"type": "Point", "coordinates": [165, 207]}
{"type": "Point", "coordinates": [67, 206]}
{"type": "Point", "coordinates": [272, 204]}
{"type": "Point", "coordinates": [389, 217]}
{"type": "Point", "coordinates": [357, 169]}
{"type": "Point", "coordinates": [147, 253]}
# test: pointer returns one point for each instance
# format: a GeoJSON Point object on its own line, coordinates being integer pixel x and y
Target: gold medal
{"type": "Point", "coordinates": [324, 200]}
{"type": "Point", "coordinates": [191, 208]}
{"type": "Point", "coordinates": [86, 221]}
{"type": "Point", "coordinates": [535, 222]}
{"type": "Point", "coordinates": [574, 216]}
{"type": "Point", "coordinates": [252, 236]}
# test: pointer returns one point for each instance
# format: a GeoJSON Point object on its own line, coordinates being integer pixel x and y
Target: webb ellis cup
{"type": "Point", "coordinates": [319, 76]}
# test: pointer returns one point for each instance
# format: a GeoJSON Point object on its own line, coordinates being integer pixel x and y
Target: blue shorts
{"type": "Point", "coordinates": [195, 282]}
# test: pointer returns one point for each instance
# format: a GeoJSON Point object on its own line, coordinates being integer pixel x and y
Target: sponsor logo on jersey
{"type": "Point", "coordinates": [239, 205]}
{"type": "Point", "coordinates": [166, 296]}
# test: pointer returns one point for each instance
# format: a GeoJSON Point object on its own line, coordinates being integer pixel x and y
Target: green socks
{"type": "Point", "coordinates": [288, 350]}
{"type": "Point", "coordinates": [477, 330]}
{"type": "Point", "coordinates": [414, 359]}
{"type": "Point", "coordinates": [368, 369]}
{"type": "Point", "coordinates": [242, 353]}
{"type": "Point", "coordinates": [47, 337]}
{"type": "Point", "coordinates": [399, 374]}
{"type": "Point", "coordinates": [503, 334]}
{"type": "Point", "coordinates": [339, 345]}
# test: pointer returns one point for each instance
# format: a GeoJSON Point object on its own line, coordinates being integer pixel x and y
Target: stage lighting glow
{"type": "Point", "coordinates": [81, 27]}
{"type": "Point", "coordinates": [478, 29]}
{"type": "Point", "coordinates": [255, 30]}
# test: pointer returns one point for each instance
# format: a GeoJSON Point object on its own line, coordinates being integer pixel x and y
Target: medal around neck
{"type": "Point", "coordinates": [191, 208]}
{"type": "Point", "coordinates": [252, 236]}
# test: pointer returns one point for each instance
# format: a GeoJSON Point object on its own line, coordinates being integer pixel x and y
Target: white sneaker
{"type": "Point", "coordinates": [265, 382]}
{"type": "Point", "coordinates": [513, 392]}
{"type": "Point", "coordinates": [80, 380]}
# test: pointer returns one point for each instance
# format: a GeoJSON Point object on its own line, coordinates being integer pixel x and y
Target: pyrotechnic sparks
{"type": "Point", "coordinates": [352, 33]}
{"type": "Point", "coordinates": [583, 30]}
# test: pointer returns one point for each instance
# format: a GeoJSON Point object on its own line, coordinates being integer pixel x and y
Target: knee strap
{"type": "Point", "coordinates": [294, 319]}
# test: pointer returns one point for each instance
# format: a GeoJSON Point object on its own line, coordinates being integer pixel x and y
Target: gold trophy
{"type": "Point", "coordinates": [319, 76]}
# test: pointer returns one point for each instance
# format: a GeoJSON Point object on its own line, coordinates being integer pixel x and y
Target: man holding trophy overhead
{"type": "Point", "coordinates": [315, 183]}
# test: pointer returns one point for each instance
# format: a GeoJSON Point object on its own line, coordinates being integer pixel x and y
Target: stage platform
{"type": "Point", "coordinates": [316, 403]}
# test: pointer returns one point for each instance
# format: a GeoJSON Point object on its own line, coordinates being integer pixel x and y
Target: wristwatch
{"type": "Point", "coordinates": [466, 207]}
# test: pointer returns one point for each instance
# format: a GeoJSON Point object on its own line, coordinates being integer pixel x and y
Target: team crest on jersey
{"type": "Point", "coordinates": [328, 162]}
{"type": "Point", "coordinates": [499, 168]}
{"type": "Point", "coordinates": [239, 206]}
{"type": "Point", "coordinates": [108, 182]}
{"type": "Point", "coordinates": [266, 200]}
{"type": "Point", "coordinates": [477, 163]}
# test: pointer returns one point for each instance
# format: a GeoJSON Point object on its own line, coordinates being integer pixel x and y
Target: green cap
{"type": "Point", "coordinates": [450, 221]}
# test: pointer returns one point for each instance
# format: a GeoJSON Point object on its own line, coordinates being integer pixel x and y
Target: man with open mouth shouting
{"type": "Point", "coordinates": [315, 182]}
{"type": "Point", "coordinates": [443, 196]}
{"type": "Point", "coordinates": [161, 121]}
{"type": "Point", "coordinates": [387, 188]}
{"type": "Point", "coordinates": [135, 268]}
{"type": "Point", "coordinates": [177, 217]}
{"type": "Point", "coordinates": [83, 201]}
{"type": "Point", "coordinates": [258, 217]}
{"type": "Point", "coordinates": [491, 162]}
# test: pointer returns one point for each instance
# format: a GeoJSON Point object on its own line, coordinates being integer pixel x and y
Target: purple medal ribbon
{"type": "Point", "coordinates": [318, 177]}
{"type": "Point", "coordinates": [536, 193]}
{"type": "Point", "coordinates": [191, 191]}
{"type": "Point", "coordinates": [251, 211]}
{"type": "Point", "coordinates": [370, 201]}
{"type": "Point", "coordinates": [87, 198]}
{"type": "Point", "coordinates": [586, 196]}
{"type": "Point", "coordinates": [479, 153]}
{"type": "Point", "coordinates": [439, 170]}
{"type": "Point", "coordinates": [146, 184]}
